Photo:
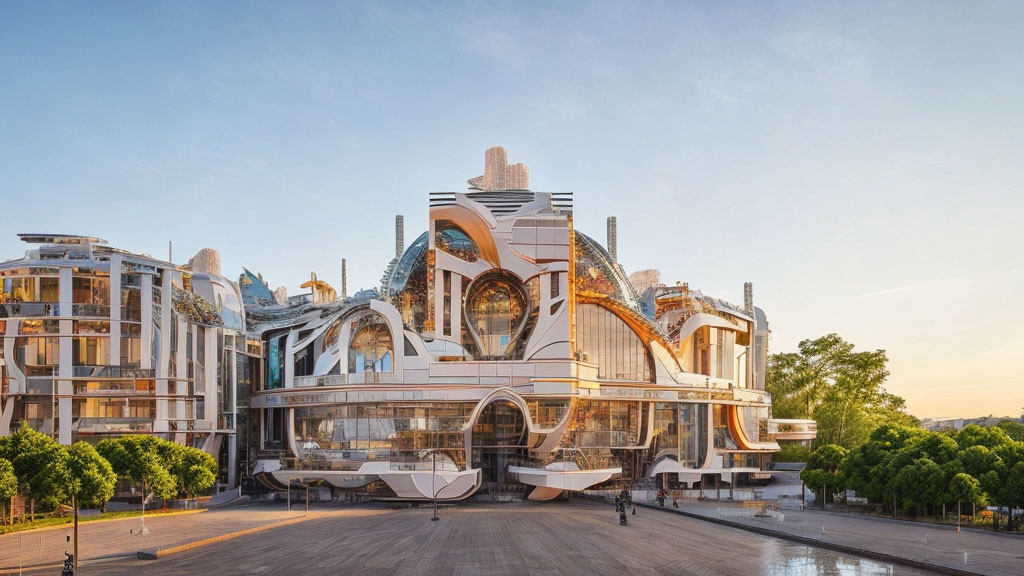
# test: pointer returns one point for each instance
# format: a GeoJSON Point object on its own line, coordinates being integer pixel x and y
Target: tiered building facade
{"type": "Point", "coordinates": [505, 352]}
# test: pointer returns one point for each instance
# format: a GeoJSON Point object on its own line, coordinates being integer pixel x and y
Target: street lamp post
{"type": "Point", "coordinates": [433, 480]}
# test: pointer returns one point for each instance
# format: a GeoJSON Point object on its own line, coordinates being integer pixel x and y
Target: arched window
{"type": "Point", "coordinates": [611, 344]}
{"type": "Point", "coordinates": [596, 272]}
{"type": "Point", "coordinates": [371, 348]}
{"type": "Point", "coordinates": [449, 238]}
{"type": "Point", "coordinates": [497, 313]}
{"type": "Point", "coordinates": [407, 284]}
{"type": "Point", "coordinates": [331, 336]}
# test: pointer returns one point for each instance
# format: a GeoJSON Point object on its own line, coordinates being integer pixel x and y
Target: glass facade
{"type": "Point", "coordinates": [606, 424]}
{"type": "Point", "coordinates": [403, 433]}
{"type": "Point", "coordinates": [497, 313]}
{"type": "Point", "coordinates": [611, 344]}
{"type": "Point", "coordinates": [693, 434]}
{"type": "Point", "coordinates": [407, 286]}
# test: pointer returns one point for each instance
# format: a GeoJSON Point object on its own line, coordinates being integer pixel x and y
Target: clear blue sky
{"type": "Point", "coordinates": [859, 162]}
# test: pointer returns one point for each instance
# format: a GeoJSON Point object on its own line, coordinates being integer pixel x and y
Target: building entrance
{"type": "Point", "coordinates": [499, 441]}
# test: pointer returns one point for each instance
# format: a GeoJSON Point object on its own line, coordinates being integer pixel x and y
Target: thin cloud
{"type": "Point", "coordinates": [886, 291]}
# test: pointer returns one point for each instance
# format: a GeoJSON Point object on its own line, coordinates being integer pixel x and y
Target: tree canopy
{"type": "Point", "coordinates": [40, 464]}
{"type": "Point", "coordinates": [840, 388]}
{"type": "Point", "coordinates": [167, 468]}
{"type": "Point", "coordinates": [924, 470]}
{"type": "Point", "coordinates": [90, 478]}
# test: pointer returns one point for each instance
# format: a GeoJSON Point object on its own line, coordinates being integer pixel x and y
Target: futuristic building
{"type": "Point", "coordinates": [508, 352]}
{"type": "Point", "coordinates": [504, 352]}
{"type": "Point", "coordinates": [96, 341]}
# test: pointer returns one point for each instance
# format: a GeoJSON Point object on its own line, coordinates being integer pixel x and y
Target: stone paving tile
{"type": "Point", "coordinates": [578, 538]}
{"type": "Point", "coordinates": [972, 550]}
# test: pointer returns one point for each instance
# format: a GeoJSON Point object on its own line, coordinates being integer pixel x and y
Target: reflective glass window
{"type": "Point", "coordinates": [611, 344]}
{"type": "Point", "coordinates": [448, 237]}
{"type": "Point", "coordinates": [693, 434]}
{"type": "Point", "coordinates": [371, 348]}
{"type": "Point", "coordinates": [407, 284]}
{"type": "Point", "coordinates": [497, 314]}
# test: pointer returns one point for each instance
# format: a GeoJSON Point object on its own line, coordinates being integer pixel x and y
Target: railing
{"type": "Point", "coordinates": [91, 310]}
{"type": "Point", "coordinates": [120, 387]}
{"type": "Point", "coordinates": [29, 309]}
{"type": "Point", "coordinates": [107, 371]}
{"type": "Point", "coordinates": [792, 429]}
{"type": "Point", "coordinates": [321, 381]}
{"type": "Point", "coordinates": [39, 385]}
{"type": "Point", "coordinates": [114, 425]}
{"type": "Point", "coordinates": [325, 380]}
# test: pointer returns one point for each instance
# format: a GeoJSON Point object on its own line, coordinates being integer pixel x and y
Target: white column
{"type": "Point", "coordinates": [66, 361]}
{"type": "Point", "coordinates": [146, 346]}
{"type": "Point", "coordinates": [115, 310]}
{"type": "Point", "coordinates": [456, 311]}
{"type": "Point", "coordinates": [180, 385]}
{"type": "Point", "coordinates": [160, 424]}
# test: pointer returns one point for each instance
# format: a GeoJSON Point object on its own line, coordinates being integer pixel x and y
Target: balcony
{"type": "Point", "coordinates": [29, 309]}
{"type": "Point", "coordinates": [327, 380]}
{"type": "Point", "coordinates": [779, 429]}
{"type": "Point", "coordinates": [39, 386]}
{"type": "Point", "coordinates": [321, 381]}
{"type": "Point", "coordinates": [113, 425]}
{"type": "Point", "coordinates": [115, 388]}
{"type": "Point", "coordinates": [107, 371]}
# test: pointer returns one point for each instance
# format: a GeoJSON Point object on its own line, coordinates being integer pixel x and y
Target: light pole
{"type": "Point", "coordinates": [433, 479]}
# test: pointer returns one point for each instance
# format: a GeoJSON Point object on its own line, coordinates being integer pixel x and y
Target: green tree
{"type": "Point", "coordinates": [40, 464]}
{"type": "Point", "coordinates": [974, 435]}
{"type": "Point", "coordinates": [91, 479]}
{"type": "Point", "coordinates": [965, 488]}
{"type": "Point", "coordinates": [977, 460]}
{"type": "Point", "coordinates": [792, 452]}
{"type": "Point", "coordinates": [843, 390]}
{"type": "Point", "coordinates": [823, 473]}
{"type": "Point", "coordinates": [921, 485]}
{"type": "Point", "coordinates": [195, 470]}
{"type": "Point", "coordinates": [141, 459]}
{"type": "Point", "coordinates": [1013, 429]}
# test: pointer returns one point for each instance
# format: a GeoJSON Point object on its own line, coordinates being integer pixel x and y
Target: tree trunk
{"type": "Point", "coordinates": [74, 503]}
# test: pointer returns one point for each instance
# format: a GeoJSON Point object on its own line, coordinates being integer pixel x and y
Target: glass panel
{"type": "Point", "coordinates": [693, 434]}
{"type": "Point", "coordinates": [497, 314]}
{"type": "Point", "coordinates": [721, 428]}
{"type": "Point", "coordinates": [407, 284]}
{"type": "Point", "coordinates": [608, 342]}
{"type": "Point", "coordinates": [548, 413]}
{"type": "Point", "coordinates": [371, 348]}
{"type": "Point", "coordinates": [448, 237]}
{"type": "Point", "coordinates": [90, 290]}
{"type": "Point", "coordinates": [90, 351]}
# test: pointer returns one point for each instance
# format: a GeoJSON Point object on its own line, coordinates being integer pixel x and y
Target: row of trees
{"type": "Point", "coordinates": [921, 472]}
{"type": "Point", "coordinates": [37, 466]}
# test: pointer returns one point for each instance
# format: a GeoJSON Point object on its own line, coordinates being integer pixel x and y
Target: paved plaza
{"type": "Point", "coordinates": [578, 538]}
{"type": "Point", "coordinates": [971, 550]}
